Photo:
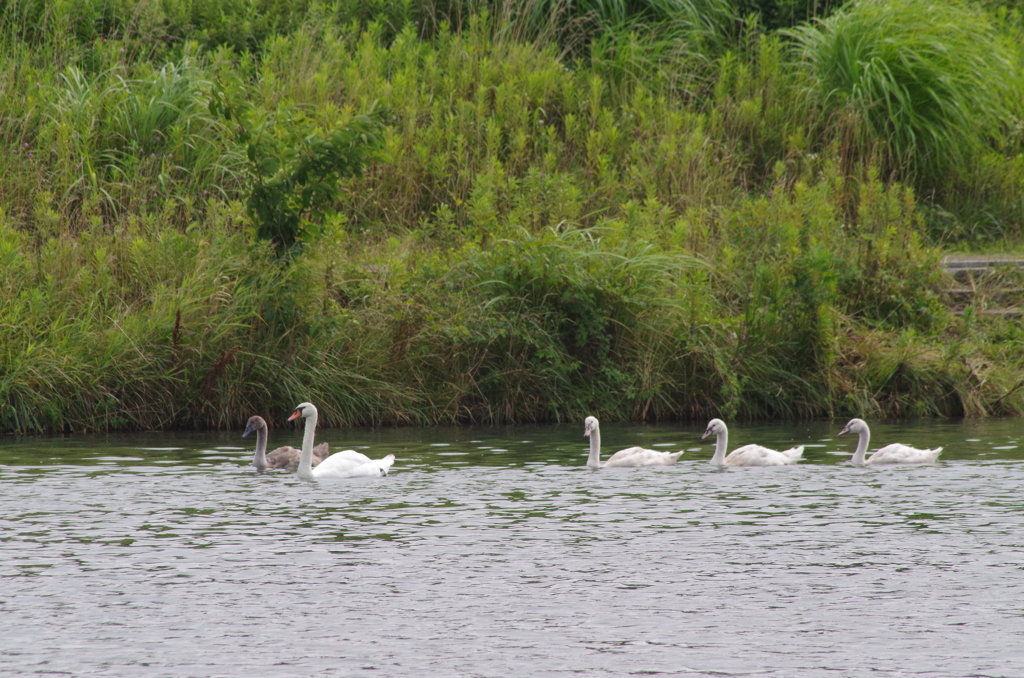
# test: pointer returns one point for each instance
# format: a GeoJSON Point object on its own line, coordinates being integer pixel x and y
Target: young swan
{"type": "Point", "coordinates": [890, 454]}
{"type": "Point", "coordinates": [286, 457]}
{"type": "Point", "coordinates": [344, 464]}
{"type": "Point", "coordinates": [748, 455]}
{"type": "Point", "coordinates": [631, 456]}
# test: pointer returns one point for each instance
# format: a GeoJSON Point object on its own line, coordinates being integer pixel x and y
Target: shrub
{"type": "Point", "coordinates": [298, 170]}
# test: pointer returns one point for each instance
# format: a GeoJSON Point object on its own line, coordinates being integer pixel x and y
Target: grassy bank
{"type": "Point", "coordinates": [559, 218]}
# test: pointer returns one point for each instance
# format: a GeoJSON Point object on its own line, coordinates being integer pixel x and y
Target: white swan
{"type": "Point", "coordinates": [631, 456]}
{"type": "Point", "coordinates": [286, 457]}
{"type": "Point", "coordinates": [890, 454]}
{"type": "Point", "coordinates": [748, 455]}
{"type": "Point", "coordinates": [344, 464]}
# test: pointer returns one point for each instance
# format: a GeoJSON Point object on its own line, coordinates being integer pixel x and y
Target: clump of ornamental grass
{"type": "Point", "coordinates": [900, 374]}
{"type": "Point", "coordinates": [917, 88]}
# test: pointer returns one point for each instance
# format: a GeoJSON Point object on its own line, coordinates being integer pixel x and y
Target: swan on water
{"type": "Point", "coordinates": [748, 455]}
{"type": "Point", "coordinates": [631, 456]}
{"type": "Point", "coordinates": [286, 457]}
{"type": "Point", "coordinates": [344, 464]}
{"type": "Point", "coordinates": [890, 454]}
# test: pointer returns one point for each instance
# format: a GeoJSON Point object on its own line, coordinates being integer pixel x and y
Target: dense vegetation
{"type": "Point", "coordinates": [429, 212]}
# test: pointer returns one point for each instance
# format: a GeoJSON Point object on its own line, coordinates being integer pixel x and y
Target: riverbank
{"type": "Point", "coordinates": [538, 236]}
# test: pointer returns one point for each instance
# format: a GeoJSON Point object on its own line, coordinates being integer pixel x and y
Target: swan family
{"type": "Point", "coordinates": [751, 455]}
{"type": "Point", "coordinates": [314, 463]}
{"type": "Point", "coordinates": [286, 457]}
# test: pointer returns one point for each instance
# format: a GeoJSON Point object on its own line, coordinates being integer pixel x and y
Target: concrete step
{"type": "Point", "coordinates": [974, 291]}
{"type": "Point", "coordinates": [997, 312]}
{"type": "Point", "coordinates": [980, 278]}
{"type": "Point", "coordinates": [981, 262]}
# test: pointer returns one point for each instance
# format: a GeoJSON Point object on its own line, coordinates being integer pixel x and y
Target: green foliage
{"type": "Point", "coordinates": [626, 209]}
{"type": "Point", "coordinates": [756, 108]}
{"type": "Point", "coordinates": [127, 329]}
{"type": "Point", "coordinates": [298, 172]}
{"type": "Point", "coordinates": [916, 87]}
{"type": "Point", "coordinates": [775, 14]}
{"type": "Point", "coordinates": [123, 141]}
{"type": "Point", "coordinates": [584, 300]}
{"type": "Point", "coordinates": [138, 332]}
{"type": "Point", "coordinates": [545, 326]}
{"type": "Point", "coordinates": [151, 27]}
{"type": "Point", "coordinates": [896, 279]}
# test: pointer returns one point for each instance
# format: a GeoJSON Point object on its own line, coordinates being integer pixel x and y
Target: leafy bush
{"type": "Point", "coordinates": [548, 323]}
{"type": "Point", "coordinates": [298, 170]}
{"type": "Point", "coordinates": [895, 278]}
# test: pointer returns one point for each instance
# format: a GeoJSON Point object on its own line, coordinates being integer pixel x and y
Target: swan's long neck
{"type": "Point", "coordinates": [721, 443]}
{"type": "Point", "coordinates": [305, 470]}
{"type": "Point", "coordinates": [863, 437]}
{"type": "Point", "coordinates": [594, 460]}
{"type": "Point", "coordinates": [260, 459]}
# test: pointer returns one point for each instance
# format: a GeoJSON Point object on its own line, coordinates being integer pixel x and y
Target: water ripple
{"type": "Point", "coordinates": [119, 562]}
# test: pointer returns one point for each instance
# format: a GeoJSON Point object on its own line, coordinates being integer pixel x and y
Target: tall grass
{"type": "Point", "coordinates": [542, 238]}
{"type": "Point", "coordinates": [153, 29]}
{"type": "Point", "coordinates": [547, 324]}
{"type": "Point", "coordinates": [171, 331]}
{"type": "Point", "coordinates": [919, 88]}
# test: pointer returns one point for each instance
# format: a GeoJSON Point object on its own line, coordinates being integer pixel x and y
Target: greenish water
{"type": "Point", "coordinates": [495, 552]}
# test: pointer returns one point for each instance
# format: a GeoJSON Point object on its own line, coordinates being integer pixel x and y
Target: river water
{"type": "Point", "coordinates": [496, 553]}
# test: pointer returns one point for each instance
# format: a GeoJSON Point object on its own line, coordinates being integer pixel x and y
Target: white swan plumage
{"type": "Point", "coordinates": [286, 457]}
{"type": "Point", "coordinates": [748, 455]}
{"type": "Point", "coordinates": [895, 453]}
{"type": "Point", "coordinates": [344, 464]}
{"type": "Point", "coordinates": [631, 456]}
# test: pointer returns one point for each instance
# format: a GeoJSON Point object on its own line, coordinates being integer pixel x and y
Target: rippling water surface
{"type": "Point", "coordinates": [496, 552]}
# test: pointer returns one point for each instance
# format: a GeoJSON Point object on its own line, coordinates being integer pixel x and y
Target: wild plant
{"type": "Point", "coordinates": [546, 324]}
{"type": "Point", "coordinates": [298, 169]}
{"type": "Point", "coordinates": [637, 232]}
{"type": "Point", "coordinates": [918, 89]}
